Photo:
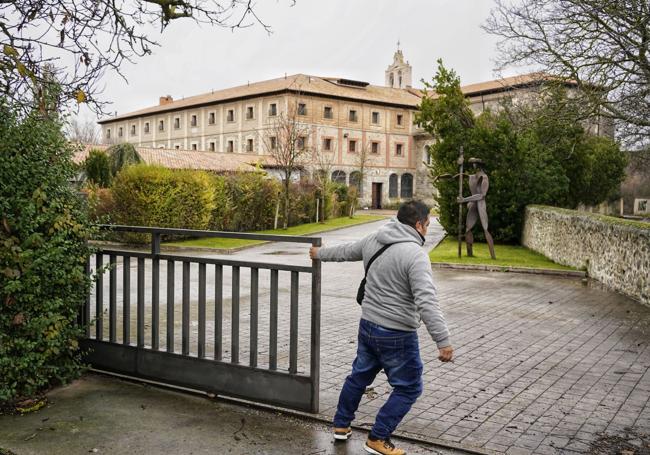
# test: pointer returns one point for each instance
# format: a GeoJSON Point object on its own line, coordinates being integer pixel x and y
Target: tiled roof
{"type": "Point", "coordinates": [505, 83]}
{"type": "Point", "coordinates": [297, 83]}
{"type": "Point", "coordinates": [188, 159]}
{"type": "Point", "coordinates": [326, 86]}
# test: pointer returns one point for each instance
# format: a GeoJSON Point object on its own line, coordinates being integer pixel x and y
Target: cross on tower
{"type": "Point", "coordinates": [398, 43]}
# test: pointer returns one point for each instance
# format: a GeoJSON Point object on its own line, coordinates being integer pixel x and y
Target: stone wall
{"type": "Point", "coordinates": [613, 251]}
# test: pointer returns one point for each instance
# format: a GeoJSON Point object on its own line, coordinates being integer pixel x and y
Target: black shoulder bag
{"type": "Point", "coordinates": [361, 292]}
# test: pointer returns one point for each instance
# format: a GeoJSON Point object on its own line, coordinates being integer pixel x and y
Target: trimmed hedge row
{"type": "Point", "coordinates": [143, 195]}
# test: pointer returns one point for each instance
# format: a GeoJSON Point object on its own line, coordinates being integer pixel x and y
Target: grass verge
{"type": "Point", "coordinates": [303, 229]}
{"type": "Point", "coordinates": [507, 255]}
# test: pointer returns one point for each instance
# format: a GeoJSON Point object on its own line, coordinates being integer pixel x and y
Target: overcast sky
{"type": "Point", "coordinates": [354, 39]}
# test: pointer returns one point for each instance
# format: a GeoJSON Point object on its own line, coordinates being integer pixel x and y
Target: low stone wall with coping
{"type": "Point", "coordinates": [615, 252]}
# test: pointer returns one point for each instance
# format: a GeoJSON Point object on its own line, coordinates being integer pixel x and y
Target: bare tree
{"type": "Point", "coordinates": [87, 38]}
{"type": "Point", "coordinates": [82, 131]}
{"type": "Point", "coordinates": [361, 161]}
{"type": "Point", "coordinates": [603, 46]}
{"type": "Point", "coordinates": [286, 141]}
{"type": "Point", "coordinates": [322, 162]}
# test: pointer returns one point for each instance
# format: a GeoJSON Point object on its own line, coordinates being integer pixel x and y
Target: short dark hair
{"type": "Point", "coordinates": [413, 211]}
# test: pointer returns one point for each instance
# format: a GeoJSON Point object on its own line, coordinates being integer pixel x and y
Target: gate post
{"type": "Point", "coordinates": [314, 370]}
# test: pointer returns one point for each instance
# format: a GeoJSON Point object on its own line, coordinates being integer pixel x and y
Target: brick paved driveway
{"type": "Point", "coordinates": [543, 364]}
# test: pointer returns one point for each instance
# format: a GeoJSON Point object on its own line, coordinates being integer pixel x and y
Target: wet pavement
{"type": "Point", "coordinates": [544, 364]}
{"type": "Point", "coordinates": [104, 415]}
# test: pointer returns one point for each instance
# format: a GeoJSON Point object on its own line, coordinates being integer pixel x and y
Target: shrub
{"type": "Point", "coordinates": [155, 196]}
{"type": "Point", "coordinates": [340, 206]}
{"type": "Point", "coordinates": [244, 201]}
{"type": "Point", "coordinates": [98, 168]}
{"type": "Point", "coordinates": [302, 203]}
{"type": "Point", "coordinates": [122, 155]}
{"type": "Point", "coordinates": [44, 232]}
{"type": "Point", "coordinates": [101, 205]}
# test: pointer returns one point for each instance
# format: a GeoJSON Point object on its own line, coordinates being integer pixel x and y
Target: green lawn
{"type": "Point", "coordinates": [303, 229]}
{"type": "Point", "coordinates": [507, 255]}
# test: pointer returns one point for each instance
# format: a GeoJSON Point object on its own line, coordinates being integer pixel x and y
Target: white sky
{"type": "Point", "coordinates": [354, 39]}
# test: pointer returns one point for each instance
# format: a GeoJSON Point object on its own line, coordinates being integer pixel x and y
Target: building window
{"type": "Point", "coordinates": [211, 118]}
{"type": "Point", "coordinates": [161, 125]}
{"type": "Point", "coordinates": [146, 127]}
{"type": "Point", "coordinates": [327, 112]}
{"type": "Point", "coordinates": [119, 132]}
{"type": "Point", "coordinates": [339, 177]}
{"type": "Point", "coordinates": [108, 133]}
{"type": "Point", "coordinates": [406, 184]}
{"type": "Point", "coordinates": [392, 185]}
{"type": "Point", "coordinates": [273, 142]}
{"type": "Point", "coordinates": [177, 123]}
{"type": "Point", "coordinates": [250, 114]}
{"type": "Point", "coordinates": [302, 109]}
{"type": "Point", "coordinates": [327, 144]}
{"type": "Point", "coordinates": [300, 143]}
{"type": "Point", "coordinates": [212, 146]}
{"type": "Point", "coordinates": [352, 145]}
{"type": "Point", "coordinates": [177, 147]}
{"type": "Point", "coordinates": [374, 147]}
{"type": "Point", "coordinates": [194, 147]}
{"type": "Point", "coordinates": [352, 116]}
{"type": "Point", "coordinates": [193, 120]}
{"type": "Point", "coordinates": [399, 119]}
{"type": "Point", "coordinates": [249, 145]}
{"type": "Point", "coordinates": [132, 130]}
{"type": "Point", "coordinates": [375, 118]}
{"type": "Point", "coordinates": [273, 110]}
{"type": "Point", "coordinates": [231, 115]}
{"type": "Point", "coordinates": [231, 147]}
{"type": "Point", "coordinates": [398, 149]}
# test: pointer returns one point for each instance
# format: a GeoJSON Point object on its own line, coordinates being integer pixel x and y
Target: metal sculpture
{"type": "Point", "coordinates": [476, 205]}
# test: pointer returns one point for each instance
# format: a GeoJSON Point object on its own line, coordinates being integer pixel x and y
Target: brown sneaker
{"type": "Point", "coordinates": [382, 447]}
{"type": "Point", "coordinates": [342, 434]}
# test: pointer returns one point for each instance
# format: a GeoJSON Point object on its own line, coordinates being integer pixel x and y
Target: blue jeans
{"type": "Point", "coordinates": [398, 354]}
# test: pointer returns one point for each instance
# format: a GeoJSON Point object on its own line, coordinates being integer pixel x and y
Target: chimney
{"type": "Point", "coordinates": [165, 100]}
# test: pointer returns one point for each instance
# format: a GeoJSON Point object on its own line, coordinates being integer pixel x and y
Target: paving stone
{"type": "Point", "coordinates": [561, 373]}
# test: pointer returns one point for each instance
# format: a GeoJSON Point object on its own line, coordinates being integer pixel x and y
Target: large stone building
{"type": "Point", "coordinates": [345, 117]}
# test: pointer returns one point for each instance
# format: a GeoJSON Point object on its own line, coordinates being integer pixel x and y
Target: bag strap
{"type": "Point", "coordinates": [376, 255]}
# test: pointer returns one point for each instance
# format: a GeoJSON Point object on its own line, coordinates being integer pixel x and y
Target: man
{"type": "Point", "coordinates": [399, 292]}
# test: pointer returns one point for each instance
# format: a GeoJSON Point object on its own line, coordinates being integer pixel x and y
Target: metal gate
{"type": "Point", "coordinates": [230, 327]}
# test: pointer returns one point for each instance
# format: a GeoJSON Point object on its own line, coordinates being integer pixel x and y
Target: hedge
{"type": "Point", "coordinates": [156, 196]}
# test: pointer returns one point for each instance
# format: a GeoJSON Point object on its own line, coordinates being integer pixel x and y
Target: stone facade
{"type": "Point", "coordinates": [348, 116]}
{"type": "Point", "coordinates": [615, 252]}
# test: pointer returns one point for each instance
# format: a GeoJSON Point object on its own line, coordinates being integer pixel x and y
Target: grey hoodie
{"type": "Point", "coordinates": [399, 286]}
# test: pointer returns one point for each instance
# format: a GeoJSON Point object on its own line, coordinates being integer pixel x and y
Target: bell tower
{"type": "Point", "coordinates": [398, 73]}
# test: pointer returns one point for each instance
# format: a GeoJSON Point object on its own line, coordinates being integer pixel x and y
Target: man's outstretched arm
{"type": "Point", "coordinates": [346, 252]}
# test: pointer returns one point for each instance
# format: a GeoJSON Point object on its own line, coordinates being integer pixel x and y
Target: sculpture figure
{"type": "Point", "coordinates": [476, 206]}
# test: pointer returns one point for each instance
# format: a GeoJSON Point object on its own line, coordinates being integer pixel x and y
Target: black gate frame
{"type": "Point", "coordinates": [250, 382]}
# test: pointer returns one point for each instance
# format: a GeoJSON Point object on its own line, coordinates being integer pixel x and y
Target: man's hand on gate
{"type": "Point", "coordinates": [445, 354]}
{"type": "Point", "coordinates": [313, 252]}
